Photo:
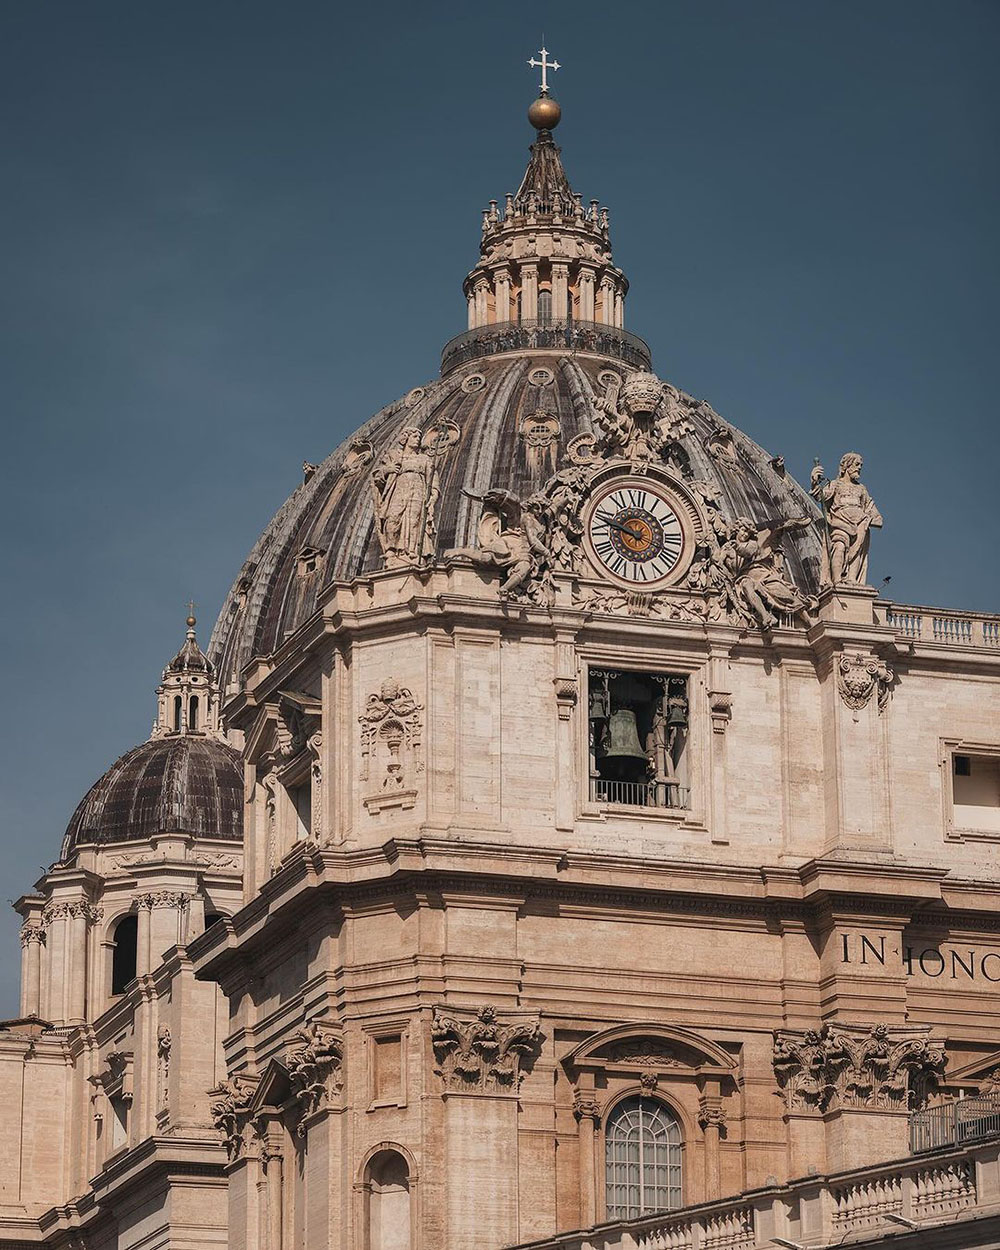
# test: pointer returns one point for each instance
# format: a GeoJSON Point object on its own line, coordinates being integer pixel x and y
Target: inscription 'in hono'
{"type": "Point", "coordinates": [960, 963]}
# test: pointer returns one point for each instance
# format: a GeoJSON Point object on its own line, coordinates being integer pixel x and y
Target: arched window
{"type": "Point", "coordinates": [545, 305]}
{"type": "Point", "coordinates": [642, 1144]}
{"type": "Point", "coordinates": [193, 714]}
{"type": "Point", "coordinates": [388, 1197]}
{"type": "Point", "coordinates": [178, 713]}
{"type": "Point", "coordinates": [123, 955]}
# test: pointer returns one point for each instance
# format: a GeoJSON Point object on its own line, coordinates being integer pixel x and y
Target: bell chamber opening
{"type": "Point", "coordinates": [638, 728]}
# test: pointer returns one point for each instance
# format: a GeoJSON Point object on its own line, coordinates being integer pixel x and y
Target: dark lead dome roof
{"type": "Point", "coordinates": [326, 530]}
{"type": "Point", "coordinates": [179, 782]}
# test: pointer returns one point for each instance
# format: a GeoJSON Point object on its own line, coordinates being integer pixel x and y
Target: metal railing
{"type": "Point", "coordinates": [957, 629]}
{"type": "Point", "coordinates": [639, 793]}
{"type": "Point", "coordinates": [570, 336]}
{"type": "Point", "coordinates": [954, 1123]}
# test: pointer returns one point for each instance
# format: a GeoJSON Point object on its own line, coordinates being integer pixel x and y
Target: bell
{"type": "Point", "coordinates": [622, 736]}
{"type": "Point", "coordinates": [677, 714]}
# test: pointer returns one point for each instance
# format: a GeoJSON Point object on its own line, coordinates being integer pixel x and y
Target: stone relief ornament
{"type": "Point", "coordinates": [540, 431]}
{"type": "Point", "coordinates": [406, 486]}
{"type": "Point", "coordinates": [861, 676]}
{"type": "Point", "coordinates": [843, 1065]}
{"type": "Point", "coordinates": [315, 1066]}
{"type": "Point", "coordinates": [230, 1114]}
{"type": "Point", "coordinates": [850, 515]}
{"type": "Point", "coordinates": [391, 755]}
{"type": "Point", "coordinates": [478, 1052]}
{"type": "Point", "coordinates": [163, 1045]}
{"type": "Point", "coordinates": [511, 537]}
{"type": "Point", "coordinates": [360, 454]}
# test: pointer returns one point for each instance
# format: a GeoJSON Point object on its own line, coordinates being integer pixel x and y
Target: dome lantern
{"type": "Point", "coordinates": [187, 697]}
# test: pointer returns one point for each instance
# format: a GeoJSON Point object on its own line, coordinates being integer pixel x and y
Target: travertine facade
{"type": "Point", "coordinates": [606, 846]}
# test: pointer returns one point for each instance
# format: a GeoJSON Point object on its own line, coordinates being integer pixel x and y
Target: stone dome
{"type": "Point", "coordinates": [181, 782]}
{"type": "Point", "coordinates": [494, 391]}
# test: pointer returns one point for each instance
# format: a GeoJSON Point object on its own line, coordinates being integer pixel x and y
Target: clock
{"type": "Point", "coordinates": [636, 533]}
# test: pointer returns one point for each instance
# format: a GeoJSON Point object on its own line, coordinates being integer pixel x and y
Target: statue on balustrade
{"type": "Point", "coordinates": [850, 515]}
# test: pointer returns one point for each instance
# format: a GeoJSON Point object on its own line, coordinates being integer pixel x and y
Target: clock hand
{"type": "Point", "coordinates": [624, 529]}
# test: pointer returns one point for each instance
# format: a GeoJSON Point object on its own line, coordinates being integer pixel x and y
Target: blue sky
{"type": "Point", "coordinates": [234, 230]}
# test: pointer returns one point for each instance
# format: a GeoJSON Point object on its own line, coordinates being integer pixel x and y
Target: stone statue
{"type": "Point", "coordinates": [850, 516]}
{"type": "Point", "coordinates": [754, 560]}
{"type": "Point", "coordinates": [511, 537]}
{"type": "Point", "coordinates": [627, 419]}
{"type": "Point", "coordinates": [405, 486]}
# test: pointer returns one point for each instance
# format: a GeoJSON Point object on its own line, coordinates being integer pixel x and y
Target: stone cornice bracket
{"type": "Point", "coordinates": [315, 1069]}
{"type": "Point", "coordinates": [567, 692]}
{"type": "Point", "coordinates": [859, 677]}
{"type": "Point", "coordinates": [720, 707]}
{"type": "Point", "coordinates": [880, 1067]}
{"type": "Point", "coordinates": [478, 1053]}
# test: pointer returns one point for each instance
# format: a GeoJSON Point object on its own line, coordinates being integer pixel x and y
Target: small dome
{"type": "Point", "coordinates": [190, 655]}
{"type": "Point", "coordinates": [185, 783]}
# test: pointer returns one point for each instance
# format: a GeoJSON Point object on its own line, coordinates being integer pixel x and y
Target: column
{"type": "Point", "coordinates": [55, 918]}
{"type": "Point", "coordinates": [711, 1118]}
{"type": "Point", "coordinates": [586, 294]}
{"type": "Point", "coordinates": [560, 292]}
{"type": "Point", "coordinates": [472, 310]}
{"type": "Point", "coordinates": [32, 936]}
{"type": "Point", "coordinates": [144, 905]}
{"type": "Point", "coordinates": [619, 308]}
{"type": "Point", "coordinates": [77, 963]}
{"type": "Point", "coordinates": [587, 1115]}
{"type": "Point", "coordinates": [529, 292]}
{"type": "Point", "coordinates": [607, 301]}
{"type": "Point", "coordinates": [501, 284]}
{"type": "Point", "coordinates": [482, 311]}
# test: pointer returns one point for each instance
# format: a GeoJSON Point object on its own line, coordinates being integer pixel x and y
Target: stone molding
{"type": "Point", "coordinates": [878, 1067]}
{"type": "Point", "coordinates": [476, 1052]}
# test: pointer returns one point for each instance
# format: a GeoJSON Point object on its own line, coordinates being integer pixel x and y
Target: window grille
{"type": "Point", "coordinates": [643, 1159]}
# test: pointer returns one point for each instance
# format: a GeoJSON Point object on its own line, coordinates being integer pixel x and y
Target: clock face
{"type": "Point", "coordinates": [636, 534]}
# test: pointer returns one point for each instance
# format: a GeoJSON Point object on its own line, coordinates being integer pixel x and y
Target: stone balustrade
{"type": "Point", "coordinates": [957, 629]}
{"type": "Point", "coordinates": [937, 1194]}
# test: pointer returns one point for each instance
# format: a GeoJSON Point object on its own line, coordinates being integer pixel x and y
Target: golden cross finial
{"type": "Point", "coordinates": [544, 65]}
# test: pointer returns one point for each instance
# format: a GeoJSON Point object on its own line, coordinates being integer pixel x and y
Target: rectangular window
{"type": "Point", "coordinates": [976, 792]}
{"type": "Point", "coordinates": [638, 729]}
{"type": "Point", "coordinates": [388, 1068]}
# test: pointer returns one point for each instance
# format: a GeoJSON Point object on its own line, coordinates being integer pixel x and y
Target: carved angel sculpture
{"type": "Point", "coordinates": [754, 559]}
{"type": "Point", "coordinates": [511, 537]}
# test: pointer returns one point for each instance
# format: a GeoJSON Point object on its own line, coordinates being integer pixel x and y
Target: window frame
{"type": "Point", "coordinates": [675, 1160]}
{"type": "Point", "coordinates": [948, 749]}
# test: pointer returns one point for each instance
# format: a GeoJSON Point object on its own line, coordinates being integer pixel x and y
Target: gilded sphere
{"type": "Point", "coordinates": [544, 114]}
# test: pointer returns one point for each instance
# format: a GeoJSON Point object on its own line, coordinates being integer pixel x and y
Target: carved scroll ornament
{"type": "Point", "coordinates": [315, 1066]}
{"type": "Point", "coordinates": [859, 677]}
{"type": "Point", "coordinates": [837, 1066]}
{"type": "Point", "coordinates": [480, 1053]}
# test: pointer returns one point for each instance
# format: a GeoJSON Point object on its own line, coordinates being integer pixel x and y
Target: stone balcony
{"type": "Point", "coordinates": [948, 1200]}
{"type": "Point", "coordinates": [563, 336]}
{"type": "Point", "coordinates": [941, 626]}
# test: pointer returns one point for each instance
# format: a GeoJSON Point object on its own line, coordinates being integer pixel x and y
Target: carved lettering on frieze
{"type": "Point", "coordinates": [391, 748]}
{"type": "Point", "coordinates": [881, 1067]}
{"type": "Point", "coordinates": [477, 1052]}
{"type": "Point", "coordinates": [859, 677]}
{"type": "Point", "coordinates": [315, 1067]}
